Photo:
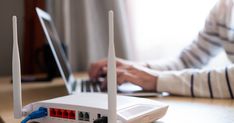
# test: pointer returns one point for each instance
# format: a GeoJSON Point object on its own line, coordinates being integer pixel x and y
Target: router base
{"type": "Point", "coordinates": [88, 107]}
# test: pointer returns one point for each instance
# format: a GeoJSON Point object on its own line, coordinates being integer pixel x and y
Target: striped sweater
{"type": "Point", "coordinates": [177, 77]}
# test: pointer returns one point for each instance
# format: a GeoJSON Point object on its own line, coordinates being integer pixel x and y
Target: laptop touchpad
{"type": "Point", "coordinates": [129, 87]}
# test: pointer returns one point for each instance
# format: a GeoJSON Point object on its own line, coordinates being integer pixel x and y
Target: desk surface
{"type": "Point", "coordinates": [181, 109]}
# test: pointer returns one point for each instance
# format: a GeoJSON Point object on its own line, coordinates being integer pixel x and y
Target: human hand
{"type": "Point", "coordinates": [136, 75]}
{"type": "Point", "coordinates": [97, 69]}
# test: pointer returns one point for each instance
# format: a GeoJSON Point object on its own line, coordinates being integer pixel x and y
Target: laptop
{"type": "Point", "coordinates": [77, 85]}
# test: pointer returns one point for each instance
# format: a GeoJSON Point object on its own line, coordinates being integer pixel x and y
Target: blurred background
{"type": "Point", "coordinates": [144, 30]}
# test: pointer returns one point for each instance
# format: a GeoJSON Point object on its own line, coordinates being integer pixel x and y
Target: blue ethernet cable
{"type": "Point", "coordinates": [41, 112]}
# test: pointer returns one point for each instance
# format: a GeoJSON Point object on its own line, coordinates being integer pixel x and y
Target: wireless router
{"type": "Point", "coordinates": [85, 107]}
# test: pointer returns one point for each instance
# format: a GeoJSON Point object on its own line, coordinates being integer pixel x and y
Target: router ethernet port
{"type": "Point", "coordinates": [59, 113]}
{"type": "Point", "coordinates": [65, 114]}
{"type": "Point", "coordinates": [72, 115]}
{"type": "Point", "coordinates": [81, 115]}
{"type": "Point", "coordinates": [86, 116]}
{"type": "Point", "coordinates": [52, 112]}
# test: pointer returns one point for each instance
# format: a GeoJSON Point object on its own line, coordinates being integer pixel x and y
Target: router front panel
{"type": "Point", "coordinates": [63, 113]}
{"type": "Point", "coordinates": [129, 110]}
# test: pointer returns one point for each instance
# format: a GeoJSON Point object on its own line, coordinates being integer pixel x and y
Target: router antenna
{"type": "Point", "coordinates": [111, 72]}
{"type": "Point", "coordinates": [16, 74]}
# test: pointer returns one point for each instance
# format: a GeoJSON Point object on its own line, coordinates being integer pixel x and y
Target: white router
{"type": "Point", "coordinates": [87, 107]}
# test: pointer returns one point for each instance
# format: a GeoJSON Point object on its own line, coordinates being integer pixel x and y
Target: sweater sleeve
{"type": "Point", "coordinates": [213, 83]}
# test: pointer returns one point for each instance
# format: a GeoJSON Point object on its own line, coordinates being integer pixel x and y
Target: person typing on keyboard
{"type": "Point", "coordinates": [184, 75]}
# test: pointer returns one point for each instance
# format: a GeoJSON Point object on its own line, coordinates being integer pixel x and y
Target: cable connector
{"type": "Point", "coordinates": [102, 119]}
{"type": "Point", "coordinates": [41, 112]}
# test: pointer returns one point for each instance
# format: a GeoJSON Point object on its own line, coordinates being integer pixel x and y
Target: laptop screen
{"type": "Point", "coordinates": [57, 46]}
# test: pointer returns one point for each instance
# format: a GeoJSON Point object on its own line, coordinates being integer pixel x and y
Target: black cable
{"type": "Point", "coordinates": [102, 119]}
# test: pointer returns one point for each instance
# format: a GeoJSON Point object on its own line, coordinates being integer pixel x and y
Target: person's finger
{"type": "Point", "coordinates": [119, 62]}
{"type": "Point", "coordinates": [95, 69]}
{"type": "Point", "coordinates": [120, 72]}
{"type": "Point", "coordinates": [120, 68]}
{"type": "Point", "coordinates": [123, 77]}
{"type": "Point", "coordinates": [104, 69]}
{"type": "Point", "coordinates": [104, 85]}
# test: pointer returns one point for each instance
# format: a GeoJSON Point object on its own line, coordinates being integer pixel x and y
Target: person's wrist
{"type": "Point", "coordinates": [152, 85]}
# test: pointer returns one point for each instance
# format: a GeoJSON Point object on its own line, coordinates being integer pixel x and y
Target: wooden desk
{"type": "Point", "coordinates": [31, 92]}
{"type": "Point", "coordinates": [181, 109]}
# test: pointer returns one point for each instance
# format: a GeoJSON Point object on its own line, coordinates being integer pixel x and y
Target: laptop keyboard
{"type": "Point", "coordinates": [90, 86]}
